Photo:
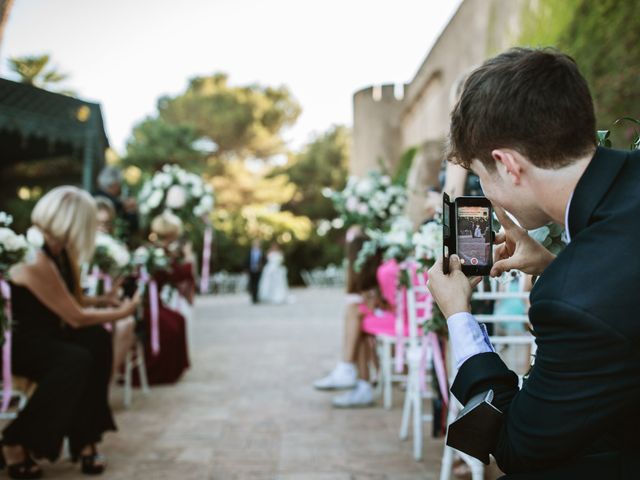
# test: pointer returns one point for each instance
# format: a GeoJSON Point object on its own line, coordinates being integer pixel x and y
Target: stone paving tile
{"type": "Point", "coordinates": [246, 409]}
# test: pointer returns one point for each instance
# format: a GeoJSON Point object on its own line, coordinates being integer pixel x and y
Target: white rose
{"type": "Point", "coordinates": [351, 204]}
{"type": "Point", "coordinates": [394, 210]}
{"type": "Point", "coordinates": [141, 256]}
{"type": "Point", "coordinates": [162, 180]}
{"type": "Point", "coordinates": [176, 197]}
{"type": "Point", "coordinates": [5, 219]}
{"type": "Point", "coordinates": [198, 211]}
{"type": "Point", "coordinates": [363, 209]}
{"type": "Point", "coordinates": [155, 199]}
{"type": "Point", "coordinates": [364, 187]}
{"type": "Point", "coordinates": [197, 190]}
{"type": "Point", "coordinates": [35, 237]}
{"type": "Point", "coordinates": [14, 243]}
{"type": "Point", "coordinates": [206, 203]}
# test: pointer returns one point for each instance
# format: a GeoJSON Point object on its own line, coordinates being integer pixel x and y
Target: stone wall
{"type": "Point", "coordinates": [387, 127]}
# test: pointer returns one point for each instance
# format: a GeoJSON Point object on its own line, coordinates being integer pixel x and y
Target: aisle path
{"type": "Point", "coordinates": [246, 409]}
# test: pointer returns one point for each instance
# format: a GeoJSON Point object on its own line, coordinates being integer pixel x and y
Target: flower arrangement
{"type": "Point", "coordinates": [13, 247]}
{"type": "Point", "coordinates": [111, 256]}
{"type": "Point", "coordinates": [372, 201]}
{"type": "Point", "coordinates": [428, 243]}
{"type": "Point", "coordinates": [173, 188]}
{"type": "Point", "coordinates": [396, 242]}
{"type": "Point", "coordinates": [152, 259]}
{"type": "Point", "coordinates": [428, 248]}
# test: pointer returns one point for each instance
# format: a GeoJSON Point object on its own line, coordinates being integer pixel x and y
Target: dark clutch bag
{"type": "Point", "coordinates": [475, 431]}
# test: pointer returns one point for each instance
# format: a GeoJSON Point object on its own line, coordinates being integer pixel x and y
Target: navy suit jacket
{"type": "Point", "coordinates": [578, 413]}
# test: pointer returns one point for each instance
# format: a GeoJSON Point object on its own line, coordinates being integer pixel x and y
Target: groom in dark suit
{"type": "Point", "coordinates": [255, 265]}
{"type": "Point", "coordinates": [525, 124]}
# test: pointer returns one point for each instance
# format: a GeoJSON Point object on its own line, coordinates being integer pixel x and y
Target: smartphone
{"type": "Point", "coordinates": [467, 232]}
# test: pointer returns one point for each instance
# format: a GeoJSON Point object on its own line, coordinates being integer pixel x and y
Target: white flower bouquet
{"type": "Point", "coordinates": [371, 201]}
{"type": "Point", "coordinates": [175, 189]}
{"type": "Point", "coordinates": [152, 259]}
{"type": "Point", "coordinates": [396, 243]}
{"type": "Point", "coordinates": [427, 242]}
{"type": "Point", "coordinates": [111, 256]}
{"type": "Point", "coordinates": [13, 247]}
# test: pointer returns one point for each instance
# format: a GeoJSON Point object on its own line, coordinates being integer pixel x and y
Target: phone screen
{"type": "Point", "coordinates": [473, 235]}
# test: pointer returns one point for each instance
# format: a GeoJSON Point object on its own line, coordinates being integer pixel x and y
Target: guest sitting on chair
{"type": "Point", "coordinates": [124, 335]}
{"type": "Point", "coordinates": [60, 344]}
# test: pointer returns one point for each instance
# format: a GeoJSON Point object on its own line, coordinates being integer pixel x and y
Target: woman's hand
{"type": "Point", "coordinates": [129, 305]}
{"type": "Point", "coordinates": [112, 297]}
{"type": "Point", "coordinates": [517, 250]}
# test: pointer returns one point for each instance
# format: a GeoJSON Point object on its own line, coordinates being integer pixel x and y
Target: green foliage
{"type": "Point", "coordinates": [155, 142]}
{"type": "Point", "coordinates": [36, 70]}
{"type": "Point", "coordinates": [243, 121]}
{"type": "Point", "coordinates": [323, 163]}
{"type": "Point", "coordinates": [404, 166]}
{"type": "Point", "coordinates": [603, 37]}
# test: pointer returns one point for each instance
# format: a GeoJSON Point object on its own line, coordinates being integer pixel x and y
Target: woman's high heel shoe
{"type": "Point", "coordinates": [21, 471]}
{"type": "Point", "coordinates": [92, 464]}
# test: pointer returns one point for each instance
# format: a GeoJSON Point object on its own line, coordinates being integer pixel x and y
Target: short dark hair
{"type": "Point", "coordinates": [534, 101]}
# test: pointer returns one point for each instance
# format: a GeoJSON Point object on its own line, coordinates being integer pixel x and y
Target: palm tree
{"type": "Point", "coordinates": [33, 70]}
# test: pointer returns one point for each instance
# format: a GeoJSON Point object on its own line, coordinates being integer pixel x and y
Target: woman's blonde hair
{"type": "Point", "coordinates": [68, 215]}
{"type": "Point", "coordinates": [167, 224]}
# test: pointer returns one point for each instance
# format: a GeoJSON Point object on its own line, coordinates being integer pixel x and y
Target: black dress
{"type": "Point", "coordinates": [71, 368]}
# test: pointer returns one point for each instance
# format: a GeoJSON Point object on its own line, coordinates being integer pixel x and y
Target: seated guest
{"type": "Point", "coordinates": [353, 371]}
{"type": "Point", "coordinates": [110, 183]}
{"type": "Point", "coordinates": [59, 344]}
{"type": "Point", "coordinates": [124, 335]}
{"type": "Point", "coordinates": [168, 365]}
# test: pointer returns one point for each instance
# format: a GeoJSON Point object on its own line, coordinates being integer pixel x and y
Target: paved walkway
{"type": "Point", "coordinates": [246, 409]}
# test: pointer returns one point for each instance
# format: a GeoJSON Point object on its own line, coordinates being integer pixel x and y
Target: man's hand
{"type": "Point", "coordinates": [517, 250]}
{"type": "Point", "coordinates": [451, 292]}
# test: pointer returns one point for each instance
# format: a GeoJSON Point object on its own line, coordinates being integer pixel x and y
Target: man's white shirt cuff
{"type": "Point", "coordinates": [467, 337]}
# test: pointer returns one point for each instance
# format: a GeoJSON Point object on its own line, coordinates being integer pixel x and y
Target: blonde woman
{"type": "Point", "coordinates": [59, 343]}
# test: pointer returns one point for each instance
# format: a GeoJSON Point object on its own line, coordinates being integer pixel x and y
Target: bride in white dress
{"type": "Point", "coordinates": [273, 286]}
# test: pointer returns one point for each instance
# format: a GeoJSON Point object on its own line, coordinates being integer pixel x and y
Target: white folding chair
{"type": "Point", "coordinates": [497, 340]}
{"type": "Point", "coordinates": [419, 356]}
{"type": "Point", "coordinates": [134, 360]}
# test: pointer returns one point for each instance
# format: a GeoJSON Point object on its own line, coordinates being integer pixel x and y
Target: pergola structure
{"type": "Point", "coordinates": [37, 125]}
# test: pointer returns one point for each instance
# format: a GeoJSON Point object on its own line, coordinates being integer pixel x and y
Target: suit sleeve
{"type": "Point", "coordinates": [580, 385]}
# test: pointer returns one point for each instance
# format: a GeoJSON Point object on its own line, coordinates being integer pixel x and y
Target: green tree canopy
{"type": "Point", "coordinates": [243, 121]}
{"type": "Point", "coordinates": [322, 163]}
{"type": "Point", "coordinates": [155, 142]}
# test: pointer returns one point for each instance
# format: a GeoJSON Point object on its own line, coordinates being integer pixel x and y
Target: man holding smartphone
{"type": "Point", "coordinates": [525, 125]}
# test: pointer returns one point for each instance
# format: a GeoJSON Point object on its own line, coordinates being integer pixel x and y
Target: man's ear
{"type": "Point", "coordinates": [510, 162]}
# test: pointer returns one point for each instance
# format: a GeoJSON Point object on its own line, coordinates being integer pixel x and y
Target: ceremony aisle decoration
{"type": "Point", "coordinates": [111, 260]}
{"type": "Point", "coordinates": [14, 249]}
{"type": "Point", "coordinates": [190, 198]}
{"type": "Point", "coordinates": [148, 261]}
{"type": "Point", "coordinates": [372, 201]}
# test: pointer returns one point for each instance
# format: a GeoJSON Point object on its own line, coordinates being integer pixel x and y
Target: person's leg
{"type": "Point", "coordinates": [345, 375]}
{"type": "Point", "coordinates": [352, 334]}
{"type": "Point", "coordinates": [60, 371]}
{"type": "Point", "coordinates": [364, 356]}
{"type": "Point", "coordinates": [124, 338]}
{"type": "Point", "coordinates": [92, 417]}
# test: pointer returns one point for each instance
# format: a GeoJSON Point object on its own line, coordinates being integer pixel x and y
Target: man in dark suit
{"type": "Point", "coordinates": [525, 124]}
{"type": "Point", "coordinates": [255, 265]}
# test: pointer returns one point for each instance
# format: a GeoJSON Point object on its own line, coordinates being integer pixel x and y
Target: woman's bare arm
{"type": "Point", "coordinates": [44, 281]}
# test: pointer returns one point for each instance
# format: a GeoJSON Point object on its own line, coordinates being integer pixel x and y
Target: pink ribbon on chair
{"type": "Point", "coordinates": [154, 309]}
{"type": "Point", "coordinates": [206, 258]}
{"type": "Point", "coordinates": [400, 333]}
{"type": "Point", "coordinates": [7, 377]}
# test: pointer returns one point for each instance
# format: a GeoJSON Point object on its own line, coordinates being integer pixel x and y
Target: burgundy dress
{"type": "Point", "coordinates": [168, 365]}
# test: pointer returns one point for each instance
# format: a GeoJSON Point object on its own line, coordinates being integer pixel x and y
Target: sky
{"type": "Point", "coordinates": [125, 54]}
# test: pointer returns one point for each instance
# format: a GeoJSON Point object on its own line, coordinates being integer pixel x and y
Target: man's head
{"type": "Point", "coordinates": [523, 115]}
{"type": "Point", "coordinates": [110, 180]}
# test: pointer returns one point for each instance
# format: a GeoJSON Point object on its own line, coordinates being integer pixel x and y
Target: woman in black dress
{"type": "Point", "coordinates": [59, 343]}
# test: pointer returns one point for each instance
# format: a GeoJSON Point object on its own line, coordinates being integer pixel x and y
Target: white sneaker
{"type": "Point", "coordinates": [343, 376]}
{"type": "Point", "coordinates": [361, 396]}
